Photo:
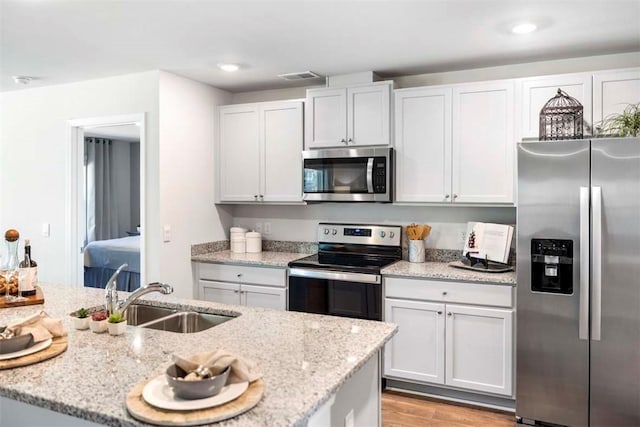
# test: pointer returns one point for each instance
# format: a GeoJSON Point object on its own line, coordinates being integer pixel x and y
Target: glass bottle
{"type": "Point", "coordinates": [10, 272]}
{"type": "Point", "coordinates": [29, 272]}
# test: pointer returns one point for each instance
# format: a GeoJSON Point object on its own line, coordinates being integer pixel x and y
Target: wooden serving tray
{"type": "Point", "coordinates": [141, 410]}
{"type": "Point", "coordinates": [38, 298]}
{"type": "Point", "coordinates": [58, 346]}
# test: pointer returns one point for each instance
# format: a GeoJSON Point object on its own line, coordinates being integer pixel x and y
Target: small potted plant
{"type": "Point", "coordinates": [117, 324]}
{"type": "Point", "coordinates": [98, 322]}
{"type": "Point", "coordinates": [81, 319]}
{"type": "Point", "coordinates": [624, 124]}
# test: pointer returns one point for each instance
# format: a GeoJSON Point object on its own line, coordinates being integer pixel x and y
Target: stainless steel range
{"type": "Point", "coordinates": [343, 278]}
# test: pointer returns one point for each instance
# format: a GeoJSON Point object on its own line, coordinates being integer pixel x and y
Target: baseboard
{"type": "Point", "coordinates": [474, 399]}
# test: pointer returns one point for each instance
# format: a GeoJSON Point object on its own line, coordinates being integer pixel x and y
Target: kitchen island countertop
{"type": "Point", "coordinates": [442, 270]}
{"type": "Point", "coordinates": [305, 358]}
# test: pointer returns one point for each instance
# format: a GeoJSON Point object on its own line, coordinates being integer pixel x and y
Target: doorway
{"type": "Point", "coordinates": [106, 209]}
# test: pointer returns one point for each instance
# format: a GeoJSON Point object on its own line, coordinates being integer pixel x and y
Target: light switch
{"type": "Point", "coordinates": [166, 233]}
{"type": "Point", "coordinates": [267, 228]}
{"type": "Point", "coordinates": [46, 229]}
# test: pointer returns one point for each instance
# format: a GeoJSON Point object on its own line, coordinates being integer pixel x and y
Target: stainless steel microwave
{"type": "Point", "coordinates": [348, 175]}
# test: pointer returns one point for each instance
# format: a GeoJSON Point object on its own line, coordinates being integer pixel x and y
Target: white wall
{"type": "Point", "coordinates": [187, 131]}
{"type": "Point", "coordinates": [34, 156]}
{"type": "Point", "coordinates": [560, 66]}
{"type": "Point", "coordinates": [298, 223]}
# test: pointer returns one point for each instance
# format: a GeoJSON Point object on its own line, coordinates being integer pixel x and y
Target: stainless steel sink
{"type": "Point", "coordinates": [170, 319]}
{"type": "Point", "coordinates": [186, 322]}
{"type": "Point", "coordinates": [138, 314]}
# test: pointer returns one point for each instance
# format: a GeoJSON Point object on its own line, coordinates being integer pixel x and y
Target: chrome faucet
{"type": "Point", "coordinates": [113, 305]}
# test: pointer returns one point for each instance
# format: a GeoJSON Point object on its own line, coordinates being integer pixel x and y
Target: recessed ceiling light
{"type": "Point", "coordinates": [524, 28]}
{"type": "Point", "coordinates": [23, 80]}
{"type": "Point", "coordinates": [228, 67]}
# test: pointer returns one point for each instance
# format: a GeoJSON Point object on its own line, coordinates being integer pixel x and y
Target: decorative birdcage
{"type": "Point", "coordinates": [561, 118]}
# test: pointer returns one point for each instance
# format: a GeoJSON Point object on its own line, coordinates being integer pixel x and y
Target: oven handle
{"type": "Point", "coordinates": [335, 275]}
{"type": "Point", "coordinates": [370, 175]}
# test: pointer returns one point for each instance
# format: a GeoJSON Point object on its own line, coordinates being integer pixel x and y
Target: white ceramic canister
{"type": "Point", "coordinates": [254, 242]}
{"type": "Point", "coordinates": [239, 245]}
{"type": "Point", "coordinates": [416, 251]}
{"type": "Point", "coordinates": [236, 232]}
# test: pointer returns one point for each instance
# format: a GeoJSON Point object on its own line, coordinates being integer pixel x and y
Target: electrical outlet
{"type": "Point", "coordinates": [463, 238]}
{"type": "Point", "coordinates": [166, 233]}
{"type": "Point", "coordinates": [267, 228]}
{"type": "Point", "coordinates": [259, 227]}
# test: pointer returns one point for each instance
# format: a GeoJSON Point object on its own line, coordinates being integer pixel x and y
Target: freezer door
{"type": "Point", "coordinates": [552, 381]}
{"type": "Point", "coordinates": [615, 269]}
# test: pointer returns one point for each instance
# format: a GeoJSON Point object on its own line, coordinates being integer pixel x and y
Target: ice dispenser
{"type": "Point", "coordinates": [552, 266]}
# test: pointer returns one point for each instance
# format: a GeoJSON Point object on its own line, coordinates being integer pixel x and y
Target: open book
{"type": "Point", "coordinates": [492, 241]}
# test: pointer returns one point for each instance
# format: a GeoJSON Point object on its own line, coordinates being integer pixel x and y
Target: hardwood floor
{"type": "Point", "coordinates": [405, 410]}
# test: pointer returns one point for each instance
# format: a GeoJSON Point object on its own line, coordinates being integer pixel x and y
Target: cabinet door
{"type": "Point", "coordinates": [368, 115]}
{"type": "Point", "coordinates": [326, 118]}
{"type": "Point", "coordinates": [239, 154]}
{"type": "Point", "coordinates": [537, 91]}
{"type": "Point", "coordinates": [479, 349]}
{"type": "Point", "coordinates": [281, 152]}
{"type": "Point", "coordinates": [264, 296]}
{"type": "Point", "coordinates": [423, 145]}
{"type": "Point", "coordinates": [225, 293]}
{"type": "Point", "coordinates": [483, 143]}
{"type": "Point", "coordinates": [613, 91]}
{"type": "Point", "coordinates": [416, 352]}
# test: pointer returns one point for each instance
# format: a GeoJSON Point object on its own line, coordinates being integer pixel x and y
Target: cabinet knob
{"type": "Point", "coordinates": [446, 196]}
{"type": "Point", "coordinates": [449, 314]}
{"type": "Point", "coordinates": [235, 292]}
{"type": "Point", "coordinates": [350, 140]}
{"type": "Point", "coordinates": [439, 313]}
{"type": "Point", "coordinates": [344, 141]}
{"type": "Point", "coordinates": [239, 275]}
{"type": "Point", "coordinates": [444, 294]}
{"type": "Point", "coordinates": [261, 197]}
{"type": "Point", "coordinates": [255, 197]}
{"type": "Point", "coordinates": [455, 196]}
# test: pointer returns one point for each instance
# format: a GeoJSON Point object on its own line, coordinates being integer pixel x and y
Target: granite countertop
{"type": "Point", "coordinates": [442, 270]}
{"type": "Point", "coordinates": [305, 358]}
{"type": "Point", "coordinates": [265, 258]}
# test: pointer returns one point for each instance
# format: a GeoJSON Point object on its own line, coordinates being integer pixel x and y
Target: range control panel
{"type": "Point", "coordinates": [385, 235]}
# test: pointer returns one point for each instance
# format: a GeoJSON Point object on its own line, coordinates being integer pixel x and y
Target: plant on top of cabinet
{"type": "Point", "coordinates": [348, 116]}
{"type": "Point", "coordinates": [626, 123]}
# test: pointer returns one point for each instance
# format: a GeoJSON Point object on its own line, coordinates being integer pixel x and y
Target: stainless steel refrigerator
{"type": "Point", "coordinates": [578, 291]}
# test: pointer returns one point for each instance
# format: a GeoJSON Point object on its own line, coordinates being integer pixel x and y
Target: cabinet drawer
{"type": "Point", "coordinates": [243, 274]}
{"type": "Point", "coordinates": [433, 290]}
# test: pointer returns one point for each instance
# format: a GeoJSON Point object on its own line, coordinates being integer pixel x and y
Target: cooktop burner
{"type": "Point", "coordinates": [356, 248]}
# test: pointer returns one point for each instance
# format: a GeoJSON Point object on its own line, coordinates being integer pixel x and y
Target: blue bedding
{"type": "Point", "coordinates": [112, 253]}
{"type": "Point", "coordinates": [103, 257]}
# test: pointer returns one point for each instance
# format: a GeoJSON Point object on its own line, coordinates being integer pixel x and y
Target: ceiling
{"type": "Point", "coordinates": [128, 133]}
{"type": "Point", "coordinates": [65, 41]}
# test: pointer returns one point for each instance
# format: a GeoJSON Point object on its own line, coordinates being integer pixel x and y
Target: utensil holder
{"type": "Point", "coordinates": [416, 250]}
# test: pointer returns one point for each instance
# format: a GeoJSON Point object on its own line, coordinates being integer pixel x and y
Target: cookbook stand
{"type": "Point", "coordinates": [480, 264]}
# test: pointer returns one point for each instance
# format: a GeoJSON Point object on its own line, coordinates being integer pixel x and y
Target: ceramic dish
{"type": "Point", "coordinates": [11, 345]}
{"type": "Point", "coordinates": [159, 394]}
{"type": "Point", "coordinates": [33, 349]}
{"type": "Point", "coordinates": [199, 389]}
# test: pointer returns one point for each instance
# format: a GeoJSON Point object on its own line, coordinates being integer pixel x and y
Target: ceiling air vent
{"type": "Point", "coordinates": [303, 75]}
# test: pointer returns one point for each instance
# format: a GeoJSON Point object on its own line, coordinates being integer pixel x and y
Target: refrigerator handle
{"type": "Point", "coordinates": [596, 265]}
{"type": "Point", "coordinates": [583, 325]}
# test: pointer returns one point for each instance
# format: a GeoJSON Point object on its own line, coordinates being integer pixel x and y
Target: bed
{"type": "Point", "coordinates": [103, 257]}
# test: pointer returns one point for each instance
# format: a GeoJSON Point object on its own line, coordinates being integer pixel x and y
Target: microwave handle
{"type": "Point", "coordinates": [370, 175]}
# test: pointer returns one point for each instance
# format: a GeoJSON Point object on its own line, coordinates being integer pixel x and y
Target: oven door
{"type": "Point", "coordinates": [335, 293]}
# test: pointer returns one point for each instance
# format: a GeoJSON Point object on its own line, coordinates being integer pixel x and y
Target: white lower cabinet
{"type": "Point", "coordinates": [462, 346]}
{"type": "Point", "coordinates": [243, 285]}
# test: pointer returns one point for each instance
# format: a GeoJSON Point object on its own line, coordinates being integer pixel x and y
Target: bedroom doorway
{"type": "Point", "coordinates": [106, 212]}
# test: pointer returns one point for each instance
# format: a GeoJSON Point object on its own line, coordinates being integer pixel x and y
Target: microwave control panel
{"type": "Point", "coordinates": [379, 175]}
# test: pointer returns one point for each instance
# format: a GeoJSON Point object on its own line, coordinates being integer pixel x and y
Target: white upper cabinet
{"type": "Point", "coordinates": [423, 145]}
{"type": "Point", "coordinates": [259, 154]}
{"type": "Point", "coordinates": [326, 118]}
{"type": "Point", "coordinates": [341, 117]}
{"type": "Point", "coordinates": [239, 153]}
{"type": "Point", "coordinates": [483, 143]}
{"type": "Point", "coordinates": [281, 147]}
{"type": "Point", "coordinates": [613, 91]}
{"type": "Point", "coordinates": [537, 91]}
